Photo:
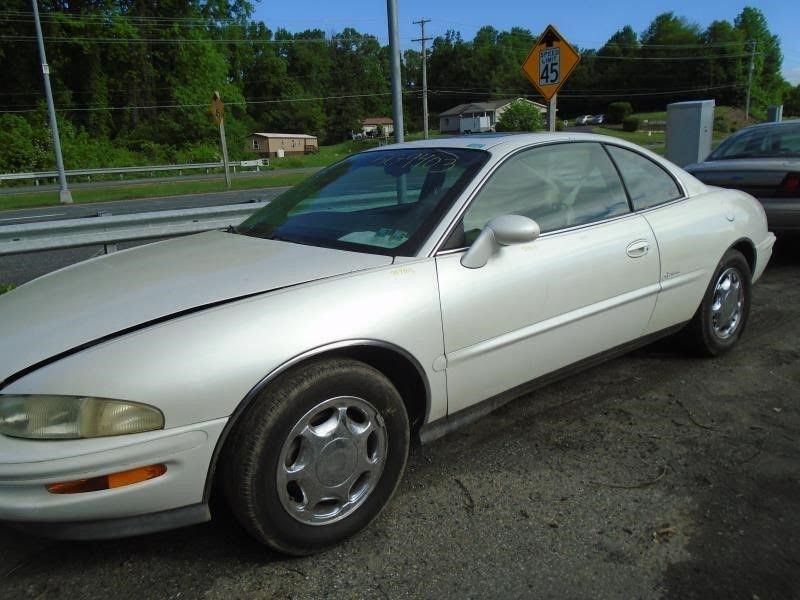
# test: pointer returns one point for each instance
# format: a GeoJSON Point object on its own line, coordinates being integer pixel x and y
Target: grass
{"type": "Point", "coordinates": [643, 138]}
{"type": "Point", "coordinates": [327, 155]}
{"type": "Point", "coordinates": [726, 119]}
{"type": "Point", "coordinates": [652, 116]}
{"type": "Point", "coordinates": [150, 190]}
{"type": "Point", "coordinates": [6, 287]}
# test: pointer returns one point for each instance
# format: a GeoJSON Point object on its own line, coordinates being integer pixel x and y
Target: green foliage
{"type": "Point", "coordinates": [721, 124]}
{"type": "Point", "coordinates": [767, 58]}
{"type": "Point", "coordinates": [6, 287]}
{"type": "Point", "coordinates": [630, 123]}
{"type": "Point", "coordinates": [617, 111]}
{"type": "Point", "coordinates": [21, 148]}
{"type": "Point", "coordinates": [132, 79]}
{"type": "Point", "coordinates": [521, 115]}
{"type": "Point", "coordinates": [791, 102]}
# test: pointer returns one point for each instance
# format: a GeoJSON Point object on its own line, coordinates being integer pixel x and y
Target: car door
{"type": "Point", "coordinates": [688, 231]}
{"type": "Point", "coordinates": [588, 284]}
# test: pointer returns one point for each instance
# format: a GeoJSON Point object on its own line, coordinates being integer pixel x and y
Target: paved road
{"type": "Point", "coordinates": [121, 207]}
{"type": "Point", "coordinates": [189, 176]}
{"type": "Point", "coordinates": [653, 476]}
{"type": "Point", "coordinates": [19, 268]}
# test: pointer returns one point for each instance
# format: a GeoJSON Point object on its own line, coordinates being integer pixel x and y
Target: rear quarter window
{"type": "Point", "coordinates": [648, 183]}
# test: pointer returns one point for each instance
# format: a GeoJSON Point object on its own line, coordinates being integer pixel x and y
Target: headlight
{"type": "Point", "coordinates": [73, 417]}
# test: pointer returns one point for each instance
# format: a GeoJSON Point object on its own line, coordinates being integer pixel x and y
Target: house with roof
{"type": "Point", "coordinates": [478, 117]}
{"type": "Point", "coordinates": [282, 144]}
{"type": "Point", "coordinates": [377, 127]}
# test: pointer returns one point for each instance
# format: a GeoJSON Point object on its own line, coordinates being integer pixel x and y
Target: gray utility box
{"type": "Point", "coordinates": [689, 129]}
{"type": "Point", "coordinates": [775, 113]}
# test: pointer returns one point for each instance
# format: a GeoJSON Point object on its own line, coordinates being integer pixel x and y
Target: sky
{"type": "Point", "coordinates": [583, 24]}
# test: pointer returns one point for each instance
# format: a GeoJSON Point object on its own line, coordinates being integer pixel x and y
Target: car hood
{"type": "Point", "coordinates": [100, 297]}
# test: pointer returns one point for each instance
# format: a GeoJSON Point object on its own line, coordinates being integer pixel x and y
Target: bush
{"type": "Point", "coordinates": [520, 116]}
{"type": "Point", "coordinates": [6, 287]}
{"type": "Point", "coordinates": [617, 111]}
{"type": "Point", "coordinates": [630, 123]}
{"type": "Point", "coordinates": [721, 124]}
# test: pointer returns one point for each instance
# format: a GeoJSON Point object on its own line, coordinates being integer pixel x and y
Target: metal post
{"type": "Point", "coordinates": [397, 90]}
{"type": "Point", "coordinates": [422, 39]}
{"type": "Point", "coordinates": [551, 113]}
{"type": "Point", "coordinates": [750, 79]}
{"type": "Point", "coordinates": [224, 151]}
{"type": "Point", "coordinates": [64, 195]}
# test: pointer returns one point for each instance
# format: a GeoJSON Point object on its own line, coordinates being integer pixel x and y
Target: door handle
{"type": "Point", "coordinates": [638, 248]}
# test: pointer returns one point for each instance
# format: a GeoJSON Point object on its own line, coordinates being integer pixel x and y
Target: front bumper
{"type": "Point", "coordinates": [175, 498]}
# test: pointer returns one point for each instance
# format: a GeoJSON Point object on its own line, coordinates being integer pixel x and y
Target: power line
{"type": "Point", "coordinates": [204, 105]}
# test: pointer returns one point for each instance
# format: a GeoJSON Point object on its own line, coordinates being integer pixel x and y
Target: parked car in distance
{"type": "Point", "coordinates": [596, 120]}
{"type": "Point", "coordinates": [764, 161]}
{"type": "Point", "coordinates": [582, 120]}
{"type": "Point", "coordinates": [286, 363]}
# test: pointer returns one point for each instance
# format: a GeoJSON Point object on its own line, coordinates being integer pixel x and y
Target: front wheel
{"type": "Point", "coordinates": [720, 320]}
{"type": "Point", "coordinates": [317, 456]}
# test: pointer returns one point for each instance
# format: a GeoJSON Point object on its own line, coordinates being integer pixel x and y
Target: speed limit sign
{"type": "Point", "coordinates": [550, 62]}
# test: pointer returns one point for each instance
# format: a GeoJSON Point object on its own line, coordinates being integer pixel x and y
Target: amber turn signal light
{"type": "Point", "coordinates": [106, 482]}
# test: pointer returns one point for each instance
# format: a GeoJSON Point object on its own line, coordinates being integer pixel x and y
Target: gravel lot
{"type": "Point", "coordinates": [653, 476]}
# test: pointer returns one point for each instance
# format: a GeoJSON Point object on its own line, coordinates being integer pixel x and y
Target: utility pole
{"type": "Point", "coordinates": [64, 195]}
{"type": "Point", "coordinates": [423, 39]}
{"type": "Point", "coordinates": [750, 78]}
{"type": "Point", "coordinates": [397, 90]}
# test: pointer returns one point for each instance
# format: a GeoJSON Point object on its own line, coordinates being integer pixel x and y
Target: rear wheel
{"type": "Point", "coordinates": [720, 320]}
{"type": "Point", "coordinates": [317, 456]}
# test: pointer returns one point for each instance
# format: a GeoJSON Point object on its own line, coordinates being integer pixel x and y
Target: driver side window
{"type": "Point", "coordinates": [558, 186]}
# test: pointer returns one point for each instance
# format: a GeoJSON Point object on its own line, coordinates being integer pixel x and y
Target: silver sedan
{"type": "Point", "coordinates": [762, 160]}
{"type": "Point", "coordinates": [285, 364]}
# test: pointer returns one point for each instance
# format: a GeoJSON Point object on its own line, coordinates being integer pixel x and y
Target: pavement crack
{"type": "Point", "coordinates": [635, 485]}
{"type": "Point", "coordinates": [469, 503]}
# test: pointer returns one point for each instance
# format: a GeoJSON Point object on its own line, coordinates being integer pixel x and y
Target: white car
{"type": "Point", "coordinates": [401, 292]}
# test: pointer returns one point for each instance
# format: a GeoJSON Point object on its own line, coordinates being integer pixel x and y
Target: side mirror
{"type": "Point", "coordinates": [506, 230]}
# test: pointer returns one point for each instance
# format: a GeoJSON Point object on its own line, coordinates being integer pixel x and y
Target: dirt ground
{"type": "Point", "coordinates": [655, 475]}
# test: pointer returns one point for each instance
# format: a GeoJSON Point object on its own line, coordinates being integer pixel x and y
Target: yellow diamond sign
{"type": "Point", "coordinates": [550, 62]}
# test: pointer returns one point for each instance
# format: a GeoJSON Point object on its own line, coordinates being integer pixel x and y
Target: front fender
{"type": "Point", "coordinates": [201, 366]}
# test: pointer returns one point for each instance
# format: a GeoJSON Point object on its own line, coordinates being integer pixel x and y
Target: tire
{"type": "Point", "coordinates": [317, 456]}
{"type": "Point", "coordinates": [721, 318]}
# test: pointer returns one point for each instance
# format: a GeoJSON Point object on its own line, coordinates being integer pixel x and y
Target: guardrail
{"type": "Point", "coordinates": [261, 162]}
{"type": "Point", "coordinates": [110, 230]}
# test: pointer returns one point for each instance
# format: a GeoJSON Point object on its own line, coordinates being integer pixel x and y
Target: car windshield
{"type": "Point", "coordinates": [381, 202]}
{"type": "Point", "coordinates": [775, 141]}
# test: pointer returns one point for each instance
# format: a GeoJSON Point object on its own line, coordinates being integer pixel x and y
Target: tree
{"type": "Point", "coordinates": [791, 101]}
{"type": "Point", "coordinates": [521, 115]}
{"type": "Point", "coordinates": [725, 67]}
{"type": "Point", "coordinates": [767, 81]}
{"type": "Point", "coordinates": [668, 61]}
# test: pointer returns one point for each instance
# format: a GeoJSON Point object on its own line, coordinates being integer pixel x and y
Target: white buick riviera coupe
{"type": "Point", "coordinates": [286, 363]}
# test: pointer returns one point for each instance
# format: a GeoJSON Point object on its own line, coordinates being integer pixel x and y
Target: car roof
{"type": "Point", "coordinates": [771, 124]}
{"type": "Point", "coordinates": [509, 141]}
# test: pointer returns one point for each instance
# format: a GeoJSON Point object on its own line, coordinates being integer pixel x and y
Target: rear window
{"type": "Point", "coordinates": [780, 140]}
